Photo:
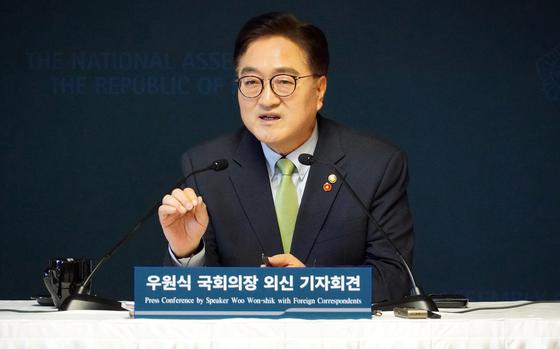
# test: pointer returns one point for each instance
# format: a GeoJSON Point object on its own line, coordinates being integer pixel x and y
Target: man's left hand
{"type": "Point", "coordinates": [285, 260]}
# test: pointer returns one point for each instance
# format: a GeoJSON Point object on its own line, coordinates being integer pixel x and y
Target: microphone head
{"type": "Point", "coordinates": [219, 165]}
{"type": "Point", "coordinates": [306, 159]}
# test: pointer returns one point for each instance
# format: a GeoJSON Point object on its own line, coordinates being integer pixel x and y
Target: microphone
{"type": "Point", "coordinates": [416, 299]}
{"type": "Point", "coordinates": [218, 165]}
{"type": "Point", "coordinates": [84, 301]}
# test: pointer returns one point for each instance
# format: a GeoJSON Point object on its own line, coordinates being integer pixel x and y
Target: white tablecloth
{"type": "Point", "coordinates": [31, 326]}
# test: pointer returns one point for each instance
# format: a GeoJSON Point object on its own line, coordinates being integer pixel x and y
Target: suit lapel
{"type": "Point", "coordinates": [316, 201]}
{"type": "Point", "coordinates": [252, 186]}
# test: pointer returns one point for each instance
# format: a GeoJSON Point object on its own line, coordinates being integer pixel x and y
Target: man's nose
{"type": "Point", "coordinates": [268, 98]}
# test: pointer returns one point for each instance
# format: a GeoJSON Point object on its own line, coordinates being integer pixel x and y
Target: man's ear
{"type": "Point", "coordinates": [321, 91]}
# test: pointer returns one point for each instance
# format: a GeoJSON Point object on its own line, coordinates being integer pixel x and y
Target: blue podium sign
{"type": "Point", "coordinates": [311, 293]}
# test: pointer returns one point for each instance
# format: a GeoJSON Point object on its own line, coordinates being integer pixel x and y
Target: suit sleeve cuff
{"type": "Point", "coordinates": [195, 260]}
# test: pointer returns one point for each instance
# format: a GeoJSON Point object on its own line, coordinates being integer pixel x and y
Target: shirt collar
{"type": "Point", "coordinates": [307, 147]}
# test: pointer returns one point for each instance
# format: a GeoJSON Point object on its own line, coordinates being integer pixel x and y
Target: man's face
{"type": "Point", "coordinates": [283, 123]}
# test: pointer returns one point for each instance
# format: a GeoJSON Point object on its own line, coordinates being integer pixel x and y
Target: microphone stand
{"type": "Point", "coordinates": [81, 300]}
{"type": "Point", "coordinates": [416, 299]}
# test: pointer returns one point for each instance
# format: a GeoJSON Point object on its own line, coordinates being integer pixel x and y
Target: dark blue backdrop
{"type": "Point", "coordinates": [100, 99]}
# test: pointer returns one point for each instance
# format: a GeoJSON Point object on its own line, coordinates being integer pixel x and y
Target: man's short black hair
{"type": "Point", "coordinates": [307, 36]}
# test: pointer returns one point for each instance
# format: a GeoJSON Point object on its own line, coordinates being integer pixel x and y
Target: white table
{"type": "Point", "coordinates": [532, 326]}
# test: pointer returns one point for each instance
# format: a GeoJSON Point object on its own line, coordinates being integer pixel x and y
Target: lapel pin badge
{"type": "Point", "coordinates": [332, 178]}
{"type": "Point", "coordinates": [327, 187]}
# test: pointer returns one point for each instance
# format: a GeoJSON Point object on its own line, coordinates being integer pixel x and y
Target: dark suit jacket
{"type": "Point", "coordinates": [331, 228]}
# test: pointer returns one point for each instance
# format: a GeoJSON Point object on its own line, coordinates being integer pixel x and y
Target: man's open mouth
{"type": "Point", "coordinates": [269, 117]}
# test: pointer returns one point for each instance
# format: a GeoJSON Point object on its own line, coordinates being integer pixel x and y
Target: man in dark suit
{"type": "Point", "coordinates": [268, 203]}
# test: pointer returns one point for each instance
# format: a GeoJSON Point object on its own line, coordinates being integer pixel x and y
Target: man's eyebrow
{"type": "Point", "coordinates": [286, 70]}
{"type": "Point", "coordinates": [280, 70]}
{"type": "Point", "coordinates": [247, 70]}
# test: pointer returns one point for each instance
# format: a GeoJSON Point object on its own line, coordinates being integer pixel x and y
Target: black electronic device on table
{"type": "Point", "coordinates": [450, 300]}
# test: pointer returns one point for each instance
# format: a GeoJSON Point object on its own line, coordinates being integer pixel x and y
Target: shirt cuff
{"type": "Point", "coordinates": [195, 260]}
